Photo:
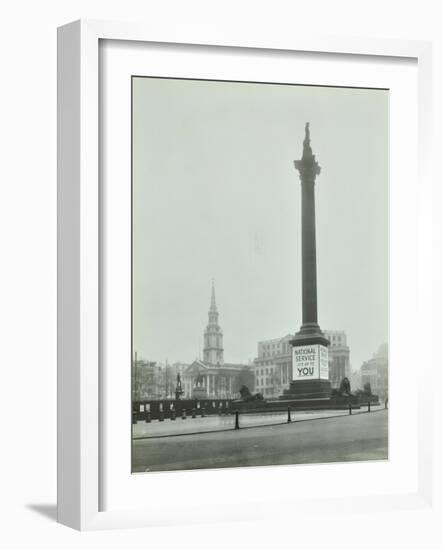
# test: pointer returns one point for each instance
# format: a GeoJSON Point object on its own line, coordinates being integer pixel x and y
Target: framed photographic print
{"type": "Point", "coordinates": [239, 223]}
{"type": "Point", "coordinates": [209, 161]}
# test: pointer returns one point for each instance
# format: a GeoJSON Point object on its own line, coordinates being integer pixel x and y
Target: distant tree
{"type": "Point", "coordinates": [367, 388]}
{"type": "Point", "coordinates": [244, 378]}
{"type": "Point", "coordinates": [170, 379]}
{"type": "Point", "coordinates": [146, 383]}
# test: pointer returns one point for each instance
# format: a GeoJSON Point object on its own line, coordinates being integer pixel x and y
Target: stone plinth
{"type": "Point", "coordinates": [308, 389]}
{"type": "Point", "coordinates": [199, 393]}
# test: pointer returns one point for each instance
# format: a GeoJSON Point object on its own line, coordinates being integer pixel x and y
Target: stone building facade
{"type": "Point", "coordinates": [273, 364]}
{"type": "Point", "coordinates": [338, 357]}
{"type": "Point", "coordinates": [375, 371]}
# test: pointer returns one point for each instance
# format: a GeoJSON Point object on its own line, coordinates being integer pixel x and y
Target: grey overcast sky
{"type": "Point", "coordinates": [216, 195]}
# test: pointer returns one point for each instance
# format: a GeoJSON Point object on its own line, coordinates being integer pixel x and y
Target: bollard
{"type": "Point", "coordinates": [203, 412]}
{"type": "Point", "coordinates": [184, 414]}
{"type": "Point", "coordinates": [161, 416]}
{"type": "Point", "coordinates": [369, 406]}
{"type": "Point", "coordinates": [147, 416]}
{"type": "Point", "coordinates": [350, 408]}
{"type": "Point", "coordinates": [193, 413]}
{"type": "Point", "coordinates": [237, 424]}
{"type": "Point", "coordinates": [289, 414]}
{"type": "Point", "coordinates": [173, 414]}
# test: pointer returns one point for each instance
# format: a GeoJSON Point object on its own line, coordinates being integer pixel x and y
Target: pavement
{"type": "Point", "coordinates": [221, 423]}
{"type": "Point", "coordinates": [341, 438]}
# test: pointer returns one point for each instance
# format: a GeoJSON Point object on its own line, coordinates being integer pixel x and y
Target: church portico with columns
{"type": "Point", "coordinates": [203, 381]}
{"type": "Point", "coordinates": [212, 377]}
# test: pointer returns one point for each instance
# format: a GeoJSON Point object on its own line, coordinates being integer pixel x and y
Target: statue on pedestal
{"type": "Point", "coordinates": [178, 389]}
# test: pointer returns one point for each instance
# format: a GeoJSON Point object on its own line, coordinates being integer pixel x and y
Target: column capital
{"type": "Point", "coordinates": [308, 167]}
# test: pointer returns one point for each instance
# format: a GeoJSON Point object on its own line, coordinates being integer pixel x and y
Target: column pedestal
{"type": "Point", "coordinates": [310, 370]}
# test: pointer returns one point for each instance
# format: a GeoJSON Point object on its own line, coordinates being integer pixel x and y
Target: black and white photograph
{"type": "Point", "coordinates": [260, 271]}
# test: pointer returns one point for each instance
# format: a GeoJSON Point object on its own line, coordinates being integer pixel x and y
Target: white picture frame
{"type": "Point", "coordinates": [79, 368]}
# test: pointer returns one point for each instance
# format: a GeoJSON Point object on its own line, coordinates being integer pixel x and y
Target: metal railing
{"type": "Point", "coordinates": [234, 418]}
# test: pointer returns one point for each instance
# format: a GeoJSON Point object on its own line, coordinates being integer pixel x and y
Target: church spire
{"type": "Point", "coordinates": [213, 336]}
{"type": "Point", "coordinates": [213, 304]}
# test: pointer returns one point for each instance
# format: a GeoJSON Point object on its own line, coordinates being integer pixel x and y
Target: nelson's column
{"type": "Point", "coordinates": [310, 372]}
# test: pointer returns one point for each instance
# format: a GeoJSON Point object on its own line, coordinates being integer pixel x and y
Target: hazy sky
{"type": "Point", "coordinates": [216, 195]}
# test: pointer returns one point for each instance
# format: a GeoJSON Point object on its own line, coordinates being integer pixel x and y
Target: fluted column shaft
{"type": "Point", "coordinates": [309, 254]}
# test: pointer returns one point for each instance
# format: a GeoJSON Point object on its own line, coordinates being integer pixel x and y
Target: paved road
{"type": "Point", "coordinates": [340, 439]}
